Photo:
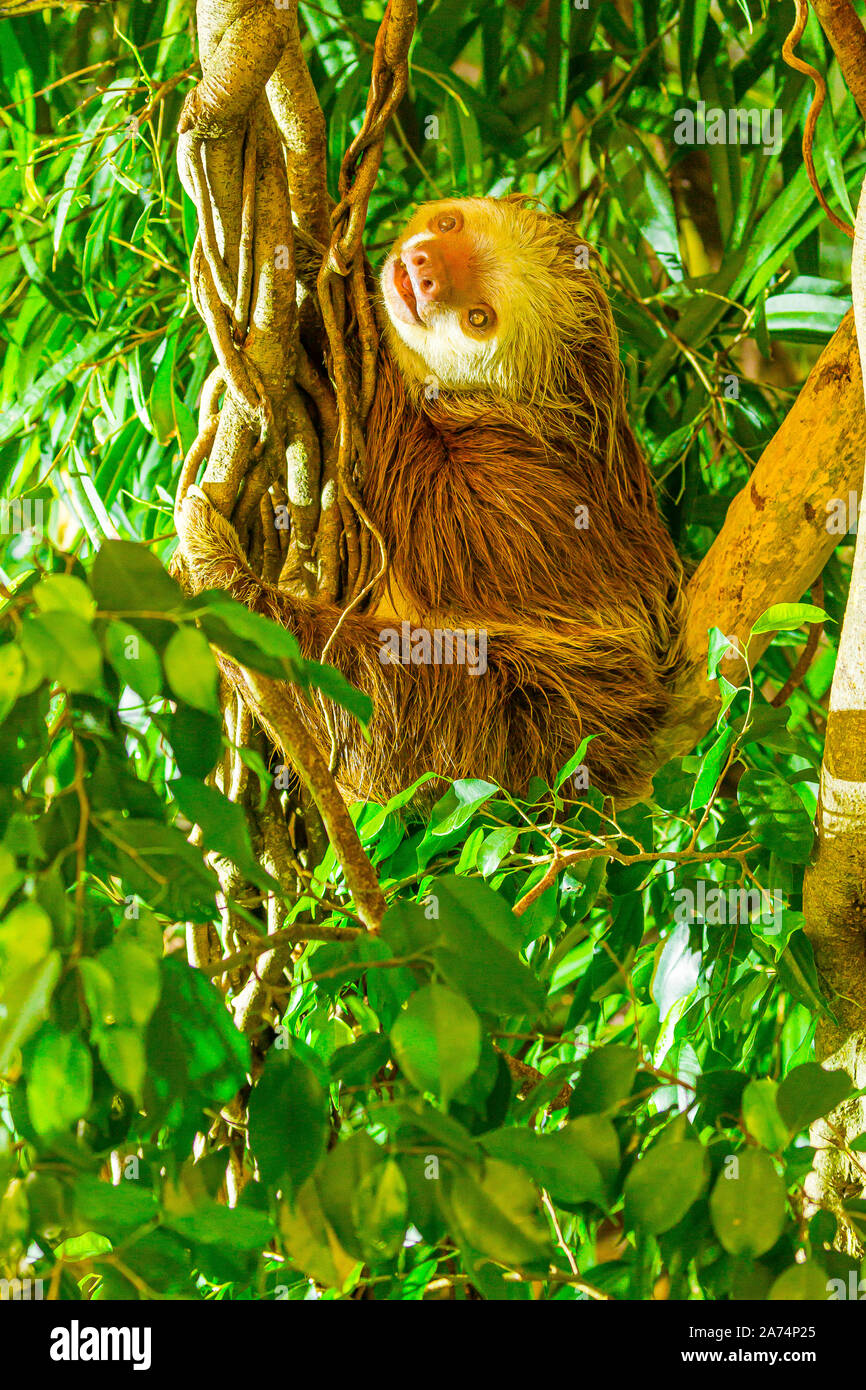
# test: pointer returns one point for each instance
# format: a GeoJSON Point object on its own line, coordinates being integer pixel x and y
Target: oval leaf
{"type": "Point", "coordinates": [437, 1041]}
{"type": "Point", "coordinates": [748, 1205]}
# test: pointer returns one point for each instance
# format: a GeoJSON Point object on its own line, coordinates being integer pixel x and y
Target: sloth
{"type": "Point", "coordinates": [533, 596]}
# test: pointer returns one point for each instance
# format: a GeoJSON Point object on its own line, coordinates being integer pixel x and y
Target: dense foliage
{"type": "Point", "coordinates": [395, 1152]}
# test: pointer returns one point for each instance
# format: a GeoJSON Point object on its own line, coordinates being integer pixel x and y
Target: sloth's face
{"type": "Point", "coordinates": [444, 291]}
{"type": "Point", "coordinates": [439, 271]}
{"type": "Point", "coordinates": [483, 294]}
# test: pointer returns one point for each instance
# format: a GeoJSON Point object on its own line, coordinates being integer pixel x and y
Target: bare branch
{"type": "Point", "coordinates": [834, 894]}
{"type": "Point", "coordinates": [311, 767]}
{"type": "Point", "coordinates": [775, 540]}
{"type": "Point", "coordinates": [844, 29]}
{"type": "Point", "coordinates": [301, 124]}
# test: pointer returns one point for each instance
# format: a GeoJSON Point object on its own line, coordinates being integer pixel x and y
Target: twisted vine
{"type": "Point", "coordinates": [279, 278]}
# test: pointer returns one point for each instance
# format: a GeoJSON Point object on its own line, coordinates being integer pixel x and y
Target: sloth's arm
{"type": "Point", "coordinates": [214, 559]}
{"type": "Point", "coordinates": [308, 259]}
{"type": "Point", "coordinates": [528, 654]}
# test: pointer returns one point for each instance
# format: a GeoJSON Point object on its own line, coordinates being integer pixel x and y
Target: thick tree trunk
{"type": "Point", "coordinates": [834, 893]}
{"type": "Point", "coordinates": [775, 540]}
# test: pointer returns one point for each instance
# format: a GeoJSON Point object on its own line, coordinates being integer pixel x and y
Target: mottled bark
{"type": "Point", "coordinates": [775, 539]}
{"type": "Point", "coordinates": [834, 894]}
{"type": "Point", "coordinates": [844, 29]}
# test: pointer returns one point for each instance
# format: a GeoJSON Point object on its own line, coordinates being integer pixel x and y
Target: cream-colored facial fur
{"type": "Point", "coordinates": [526, 265]}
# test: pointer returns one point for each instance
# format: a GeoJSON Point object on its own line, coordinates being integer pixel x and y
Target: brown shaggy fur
{"type": "Point", "coordinates": [475, 494]}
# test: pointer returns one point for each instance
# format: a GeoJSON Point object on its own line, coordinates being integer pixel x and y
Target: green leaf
{"type": "Point", "coordinates": [380, 1210]}
{"type": "Point", "coordinates": [437, 1041]}
{"type": "Point", "coordinates": [357, 1063]}
{"type": "Point", "coordinates": [250, 638]}
{"type": "Point", "coordinates": [467, 906]}
{"type": "Point", "coordinates": [128, 579]}
{"type": "Point", "coordinates": [195, 737]}
{"type": "Point", "coordinates": [477, 948]}
{"type": "Point", "coordinates": [459, 804]}
{"type": "Point", "coordinates": [496, 846]}
{"type": "Point", "coordinates": [12, 669]}
{"type": "Point", "coordinates": [134, 659]}
{"type": "Point", "coordinates": [797, 972]}
{"type": "Point", "coordinates": [65, 593]}
{"type": "Point", "coordinates": [748, 1204]}
{"type": "Point", "coordinates": [26, 999]}
{"type": "Point", "coordinates": [493, 980]}
{"type": "Point", "coordinates": [729, 694]}
{"type": "Point", "coordinates": [223, 824]}
{"type": "Point", "coordinates": [122, 1053]}
{"type": "Point", "coordinates": [310, 1240]}
{"type": "Point", "coordinates": [33, 398]}
{"type": "Point", "coordinates": [11, 879]}
{"type": "Point", "coordinates": [787, 617]}
{"type": "Point", "coordinates": [664, 1183]}
{"type": "Point", "coordinates": [775, 814]}
{"type": "Point", "coordinates": [808, 1092]}
{"type": "Point", "coordinates": [369, 829]}
{"type": "Point", "coordinates": [216, 1232]}
{"type": "Point", "coordinates": [288, 1121]}
{"type": "Point", "coordinates": [162, 402]}
{"type": "Point", "coordinates": [59, 1079]}
{"type": "Point", "coordinates": [606, 1079]}
{"type": "Point", "coordinates": [692, 26]}
{"type": "Point", "coordinates": [497, 1214]}
{"type": "Point", "coordinates": [338, 1177]}
{"type": "Point", "coordinates": [82, 150]}
{"type": "Point", "coordinates": [574, 762]}
{"type": "Point", "coordinates": [195, 1054]}
{"type": "Point", "coordinates": [555, 68]}
{"type": "Point", "coordinates": [806, 1283]}
{"type": "Point", "coordinates": [720, 1094]}
{"type": "Point", "coordinates": [711, 769]}
{"type": "Point", "coordinates": [191, 669]}
{"type": "Point", "coordinates": [805, 318]}
{"type": "Point", "coordinates": [576, 1163]}
{"type": "Point", "coordinates": [333, 683]}
{"type": "Point", "coordinates": [121, 984]}
{"type": "Point", "coordinates": [761, 1115]}
{"type": "Point", "coordinates": [718, 648]}
{"type": "Point", "coordinates": [157, 864]}
{"type": "Point", "coordinates": [26, 936]}
{"type": "Point", "coordinates": [63, 646]}
{"type": "Point", "coordinates": [114, 1211]}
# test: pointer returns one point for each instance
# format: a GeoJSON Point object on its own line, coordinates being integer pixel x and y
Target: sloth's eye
{"type": "Point", "coordinates": [447, 223]}
{"type": "Point", "coordinates": [479, 318]}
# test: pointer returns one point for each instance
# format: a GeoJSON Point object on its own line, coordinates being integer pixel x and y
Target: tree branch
{"type": "Point", "coordinates": [843, 28]}
{"type": "Point", "coordinates": [775, 540]}
{"type": "Point", "coordinates": [311, 767]}
{"type": "Point", "coordinates": [301, 122]}
{"type": "Point", "coordinates": [835, 887]}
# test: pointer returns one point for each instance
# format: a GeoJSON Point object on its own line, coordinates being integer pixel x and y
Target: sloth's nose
{"type": "Point", "coordinates": [430, 279]}
{"type": "Point", "coordinates": [441, 269]}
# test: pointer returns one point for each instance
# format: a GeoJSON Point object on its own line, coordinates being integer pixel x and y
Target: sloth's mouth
{"type": "Point", "coordinates": [405, 290]}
